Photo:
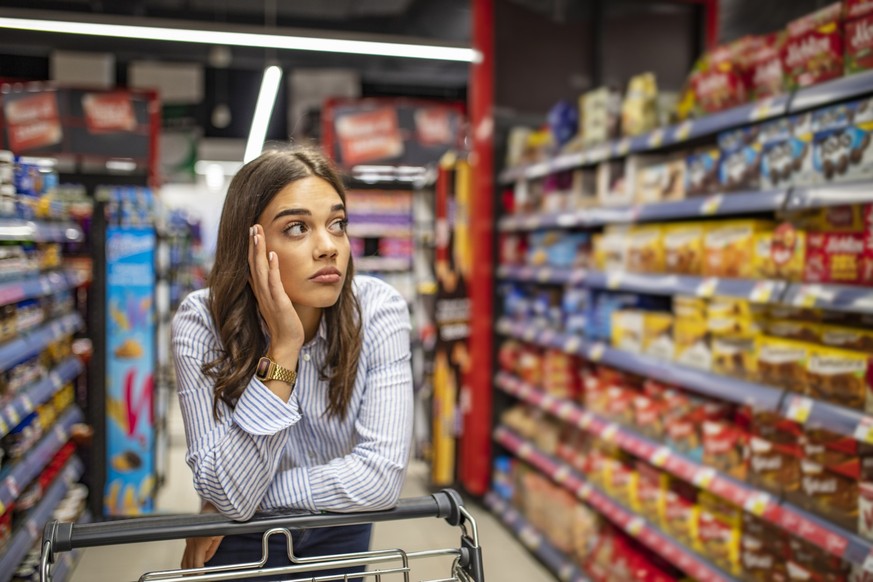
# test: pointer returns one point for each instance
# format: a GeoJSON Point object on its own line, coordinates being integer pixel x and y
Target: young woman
{"type": "Point", "coordinates": [293, 374]}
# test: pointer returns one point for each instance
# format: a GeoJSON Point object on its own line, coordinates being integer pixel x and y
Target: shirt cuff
{"type": "Point", "coordinates": [260, 412]}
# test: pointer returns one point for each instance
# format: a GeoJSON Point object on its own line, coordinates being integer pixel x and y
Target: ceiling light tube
{"type": "Point", "coordinates": [245, 39]}
{"type": "Point", "coordinates": [263, 112]}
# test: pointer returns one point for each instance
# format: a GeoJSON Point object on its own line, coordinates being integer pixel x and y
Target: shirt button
{"type": "Point", "coordinates": [305, 357]}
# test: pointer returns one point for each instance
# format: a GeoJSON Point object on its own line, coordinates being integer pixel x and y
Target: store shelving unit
{"type": "Point", "coordinates": [635, 525]}
{"type": "Point", "coordinates": [806, 411]}
{"type": "Point", "coordinates": [556, 561]}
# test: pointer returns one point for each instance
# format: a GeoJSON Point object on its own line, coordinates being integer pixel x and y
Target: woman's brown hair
{"type": "Point", "coordinates": [232, 302]}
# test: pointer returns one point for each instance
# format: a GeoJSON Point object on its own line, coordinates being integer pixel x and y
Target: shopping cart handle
{"type": "Point", "coordinates": [63, 537]}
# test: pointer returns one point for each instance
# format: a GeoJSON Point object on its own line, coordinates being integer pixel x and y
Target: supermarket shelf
{"type": "Point", "coordinates": [13, 480]}
{"type": "Point", "coordinates": [30, 532]}
{"type": "Point", "coordinates": [560, 565]}
{"type": "Point", "coordinates": [29, 230]}
{"type": "Point", "coordinates": [32, 342]}
{"type": "Point", "coordinates": [829, 195]}
{"type": "Point", "coordinates": [699, 381]}
{"type": "Point", "coordinates": [370, 264]}
{"type": "Point", "coordinates": [832, 92]}
{"type": "Point", "coordinates": [761, 503]}
{"type": "Point", "coordinates": [673, 551]}
{"type": "Point", "coordinates": [379, 230]}
{"type": "Point", "coordinates": [854, 298]}
{"type": "Point", "coordinates": [26, 402]}
{"type": "Point", "coordinates": [757, 290]}
{"type": "Point", "coordinates": [31, 287]}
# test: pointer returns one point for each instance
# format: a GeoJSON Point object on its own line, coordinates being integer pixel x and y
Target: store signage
{"type": "Point", "coordinates": [369, 136]}
{"type": "Point", "coordinates": [33, 121]}
{"type": "Point", "coordinates": [108, 112]}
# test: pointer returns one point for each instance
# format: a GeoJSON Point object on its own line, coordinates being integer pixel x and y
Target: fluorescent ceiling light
{"type": "Point", "coordinates": [246, 39]}
{"type": "Point", "coordinates": [263, 112]}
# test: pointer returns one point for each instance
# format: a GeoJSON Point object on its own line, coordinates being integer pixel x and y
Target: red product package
{"type": "Point", "coordinates": [724, 447]}
{"type": "Point", "coordinates": [839, 258]}
{"type": "Point", "coordinates": [719, 88]}
{"type": "Point", "coordinates": [814, 57]}
{"type": "Point", "coordinates": [859, 44]}
{"type": "Point", "coordinates": [856, 8]}
{"type": "Point", "coordinates": [765, 76]}
{"type": "Point", "coordinates": [804, 24]}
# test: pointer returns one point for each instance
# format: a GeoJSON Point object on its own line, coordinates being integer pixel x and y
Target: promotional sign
{"type": "Point", "coordinates": [390, 132]}
{"type": "Point", "coordinates": [130, 366]}
{"type": "Point", "coordinates": [33, 121]}
{"type": "Point", "coordinates": [108, 112]}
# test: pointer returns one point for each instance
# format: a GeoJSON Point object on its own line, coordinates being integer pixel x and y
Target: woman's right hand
{"type": "Point", "coordinates": [198, 551]}
{"type": "Point", "coordinates": [280, 317]}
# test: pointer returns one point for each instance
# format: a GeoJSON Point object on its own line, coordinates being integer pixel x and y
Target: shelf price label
{"type": "Point", "coordinates": [584, 492]}
{"type": "Point", "coordinates": [610, 432]}
{"type": "Point", "coordinates": [572, 344]}
{"type": "Point", "coordinates": [762, 110]}
{"type": "Point", "coordinates": [529, 334]}
{"type": "Point", "coordinates": [595, 354]}
{"type": "Point", "coordinates": [565, 574]}
{"type": "Point", "coordinates": [707, 287]}
{"type": "Point", "coordinates": [12, 414]}
{"type": "Point", "coordinates": [807, 296]}
{"type": "Point", "coordinates": [757, 503]}
{"type": "Point", "coordinates": [864, 430]}
{"type": "Point", "coordinates": [799, 409]}
{"type": "Point", "coordinates": [711, 205]}
{"type": "Point", "coordinates": [761, 292]}
{"type": "Point", "coordinates": [564, 411]}
{"type": "Point", "coordinates": [4, 428]}
{"type": "Point", "coordinates": [561, 474]}
{"type": "Point", "coordinates": [530, 538]}
{"type": "Point", "coordinates": [623, 147]}
{"type": "Point", "coordinates": [567, 220]}
{"type": "Point", "coordinates": [12, 486]}
{"type": "Point", "coordinates": [660, 457]}
{"type": "Point", "coordinates": [27, 403]}
{"type": "Point", "coordinates": [524, 450]}
{"type": "Point", "coordinates": [704, 477]}
{"type": "Point", "coordinates": [868, 563]}
{"type": "Point", "coordinates": [614, 280]}
{"type": "Point", "coordinates": [544, 274]}
{"type": "Point", "coordinates": [684, 130]}
{"type": "Point", "coordinates": [656, 138]}
{"type": "Point", "coordinates": [635, 526]}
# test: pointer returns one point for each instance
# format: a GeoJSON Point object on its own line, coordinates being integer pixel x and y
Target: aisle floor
{"type": "Point", "coordinates": [505, 559]}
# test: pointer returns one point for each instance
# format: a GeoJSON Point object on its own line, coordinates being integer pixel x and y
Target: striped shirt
{"type": "Point", "coordinates": [266, 455]}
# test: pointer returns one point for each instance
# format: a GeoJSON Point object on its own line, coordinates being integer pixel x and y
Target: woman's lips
{"type": "Point", "coordinates": [329, 275]}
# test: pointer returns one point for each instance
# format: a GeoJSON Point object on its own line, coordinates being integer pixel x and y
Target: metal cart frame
{"type": "Point", "coordinates": [447, 504]}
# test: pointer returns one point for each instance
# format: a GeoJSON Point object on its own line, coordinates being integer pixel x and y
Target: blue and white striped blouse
{"type": "Point", "coordinates": [266, 455]}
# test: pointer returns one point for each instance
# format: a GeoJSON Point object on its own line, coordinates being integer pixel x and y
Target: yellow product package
{"type": "Point", "coordinates": [788, 252]}
{"type": "Point", "coordinates": [840, 376]}
{"type": "Point", "coordinates": [729, 248]}
{"type": "Point", "coordinates": [645, 249]}
{"type": "Point", "coordinates": [628, 329]}
{"type": "Point", "coordinates": [658, 335]}
{"type": "Point", "coordinates": [763, 266]}
{"type": "Point", "coordinates": [686, 306]}
{"type": "Point", "coordinates": [691, 342]}
{"type": "Point", "coordinates": [683, 248]}
{"type": "Point", "coordinates": [781, 362]}
{"type": "Point", "coordinates": [734, 355]}
{"type": "Point", "coordinates": [611, 249]}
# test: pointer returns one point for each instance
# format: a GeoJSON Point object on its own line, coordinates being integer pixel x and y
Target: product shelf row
{"type": "Point", "coordinates": [39, 286]}
{"type": "Point", "coordinates": [30, 532]}
{"type": "Point", "coordinates": [559, 564]}
{"type": "Point", "coordinates": [29, 230]}
{"type": "Point", "coordinates": [687, 131]}
{"type": "Point", "coordinates": [721, 204]}
{"type": "Point", "coordinates": [35, 341]}
{"type": "Point", "coordinates": [822, 533]}
{"type": "Point", "coordinates": [635, 525]}
{"type": "Point", "coordinates": [14, 479]}
{"type": "Point", "coordinates": [36, 394]}
{"type": "Point", "coordinates": [854, 298]}
{"type": "Point", "coordinates": [807, 411]}
{"type": "Point", "coordinates": [386, 264]}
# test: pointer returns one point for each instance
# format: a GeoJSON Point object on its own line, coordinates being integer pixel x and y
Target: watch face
{"type": "Point", "coordinates": [263, 368]}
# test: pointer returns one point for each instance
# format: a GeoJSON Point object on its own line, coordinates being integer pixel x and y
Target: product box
{"type": "Point", "coordinates": [848, 338]}
{"type": "Point", "coordinates": [762, 261]}
{"type": "Point", "coordinates": [799, 330]}
{"type": "Point", "coordinates": [782, 154]}
{"type": "Point", "coordinates": [813, 51]}
{"type": "Point", "coordinates": [845, 258]}
{"type": "Point", "coordinates": [601, 110]}
{"type": "Point", "coordinates": [856, 8]}
{"type": "Point", "coordinates": [611, 248]}
{"type": "Point", "coordinates": [765, 76]}
{"type": "Point", "coordinates": [783, 363]}
{"type": "Point", "coordinates": [788, 253]}
{"type": "Point", "coordinates": [702, 172]}
{"type": "Point", "coordinates": [859, 37]}
{"type": "Point", "coordinates": [718, 87]}
{"type": "Point", "coordinates": [830, 493]}
{"type": "Point", "coordinates": [760, 561]}
{"type": "Point", "coordinates": [658, 335]}
{"type": "Point", "coordinates": [810, 563]}
{"type": "Point", "coordinates": [639, 110]}
{"type": "Point", "coordinates": [612, 190]}
{"type": "Point", "coordinates": [841, 149]}
{"type": "Point", "coordinates": [690, 307]}
{"type": "Point", "coordinates": [679, 510]}
{"type": "Point", "coordinates": [683, 248]}
{"type": "Point", "coordinates": [650, 489]}
{"type": "Point", "coordinates": [645, 249]}
{"type": "Point", "coordinates": [840, 376]}
{"type": "Point", "coordinates": [854, 218]}
{"type": "Point", "coordinates": [724, 448]}
{"type": "Point", "coordinates": [692, 342]}
{"type": "Point", "coordinates": [729, 248]}
{"type": "Point", "coordinates": [661, 181]}
{"type": "Point", "coordinates": [773, 466]}
{"type": "Point", "coordinates": [627, 330]}
{"type": "Point", "coordinates": [719, 530]}
{"type": "Point", "coordinates": [648, 416]}
{"type": "Point", "coordinates": [559, 249]}
{"type": "Point", "coordinates": [734, 355]}
{"type": "Point", "coordinates": [740, 165]}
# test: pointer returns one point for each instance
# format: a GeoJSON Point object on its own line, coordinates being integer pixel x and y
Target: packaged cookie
{"type": "Point", "coordinates": [683, 248]}
{"type": "Point", "coordinates": [774, 467]}
{"type": "Point", "coordinates": [813, 51]}
{"type": "Point", "coordinates": [660, 181]}
{"type": "Point", "coordinates": [859, 43]}
{"type": "Point", "coordinates": [783, 363]}
{"type": "Point", "coordinates": [611, 248]}
{"type": "Point", "coordinates": [724, 448]}
{"type": "Point", "coordinates": [788, 252]}
{"type": "Point", "coordinates": [729, 248]}
{"type": "Point", "coordinates": [763, 267]}
{"type": "Point", "coordinates": [734, 355]}
{"type": "Point", "coordinates": [719, 531]}
{"type": "Point", "coordinates": [740, 164]}
{"type": "Point", "coordinates": [810, 563]}
{"type": "Point", "coordinates": [844, 258]}
{"type": "Point", "coordinates": [849, 338]}
{"type": "Point", "coordinates": [830, 493]}
{"type": "Point", "coordinates": [765, 76]}
{"type": "Point", "coordinates": [645, 249]}
{"type": "Point", "coordinates": [690, 307]}
{"type": "Point", "coordinates": [612, 189]}
{"type": "Point", "coordinates": [841, 149]}
{"type": "Point", "coordinates": [627, 330]}
{"type": "Point", "coordinates": [701, 172]}
{"type": "Point", "coordinates": [804, 331]}
{"type": "Point", "coordinates": [658, 335]}
{"type": "Point", "coordinates": [840, 376]}
{"type": "Point", "coordinates": [691, 342]}
{"type": "Point", "coordinates": [679, 510]}
{"type": "Point", "coordinates": [760, 561]}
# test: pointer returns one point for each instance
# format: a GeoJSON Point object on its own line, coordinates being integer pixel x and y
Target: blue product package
{"type": "Point", "coordinates": [568, 250]}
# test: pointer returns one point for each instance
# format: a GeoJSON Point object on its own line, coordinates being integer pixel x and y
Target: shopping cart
{"type": "Point", "coordinates": [385, 565]}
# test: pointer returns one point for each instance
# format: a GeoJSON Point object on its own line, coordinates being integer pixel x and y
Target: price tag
{"type": "Point", "coordinates": [547, 336]}
{"type": "Point", "coordinates": [60, 433]}
{"type": "Point", "coordinates": [561, 474]}
{"type": "Point", "coordinates": [530, 538]}
{"type": "Point", "coordinates": [578, 277]}
{"type": "Point", "coordinates": [525, 450]}
{"type": "Point", "coordinates": [656, 138]}
{"type": "Point", "coordinates": [584, 492]}
{"type": "Point", "coordinates": [609, 433]}
{"type": "Point", "coordinates": [613, 280]}
{"type": "Point", "coordinates": [595, 354]}
{"type": "Point", "coordinates": [4, 428]}
{"type": "Point", "coordinates": [684, 130]}
{"type": "Point", "coordinates": [567, 220]}
{"type": "Point", "coordinates": [14, 418]}
{"type": "Point", "coordinates": [868, 563]}
{"type": "Point", "coordinates": [704, 477]}
{"type": "Point", "coordinates": [864, 430]}
{"type": "Point", "coordinates": [623, 147]}
{"type": "Point", "coordinates": [46, 286]}
{"type": "Point", "coordinates": [762, 110]}
{"type": "Point", "coordinates": [533, 222]}
{"type": "Point", "coordinates": [761, 292]}
{"type": "Point", "coordinates": [529, 334]}
{"type": "Point", "coordinates": [2, 508]}
{"type": "Point", "coordinates": [757, 503]}
{"type": "Point", "coordinates": [660, 456]}
{"type": "Point", "coordinates": [544, 274]}
{"type": "Point", "coordinates": [799, 408]}
{"type": "Point", "coordinates": [12, 486]}
{"type": "Point", "coordinates": [584, 421]}
{"type": "Point", "coordinates": [711, 205]}
{"type": "Point", "coordinates": [564, 411]}
{"type": "Point", "coordinates": [707, 287]}
{"type": "Point", "coordinates": [547, 402]}
{"type": "Point", "coordinates": [572, 344]}
{"type": "Point", "coordinates": [565, 574]}
{"type": "Point", "coordinates": [635, 526]}
{"type": "Point", "coordinates": [27, 404]}
{"type": "Point", "coordinates": [32, 529]}
{"type": "Point", "coordinates": [808, 296]}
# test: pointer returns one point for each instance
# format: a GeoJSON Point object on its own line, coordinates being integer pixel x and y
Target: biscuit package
{"type": "Point", "coordinates": [683, 248]}
{"type": "Point", "coordinates": [782, 363]}
{"type": "Point", "coordinates": [833, 257]}
{"type": "Point", "coordinates": [765, 76]}
{"type": "Point", "coordinates": [841, 149]}
{"type": "Point", "coordinates": [859, 37]}
{"type": "Point", "coordinates": [660, 181]}
{"type": "Point", "coordinates": [740, 164]}
{"type": "Point", "coordinates": [692, 343]}
{"type": "Point", "coordinates": [840, 376]}
{"type": "Point", "coordinates": [701, 172]}
{"type": "Point", "coordinates": [787, 252]}
{"type": "Point", "coordinates": [813, 51]}
{"type": "Point", "coordinates": [773, 466]}
{"type": "Point", "coordinates": [645, 250]}
{"type": "Point", "coordinates": [729, 248]}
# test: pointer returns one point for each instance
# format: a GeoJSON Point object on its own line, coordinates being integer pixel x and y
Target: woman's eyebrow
{"type": "Point", "coordinates": [292, 212]}
{"type": "Point", "coordinates": [337, 208]}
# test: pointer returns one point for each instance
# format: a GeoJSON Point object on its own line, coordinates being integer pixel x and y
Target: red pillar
{"type": "Point", "coordinates": [475, 454]}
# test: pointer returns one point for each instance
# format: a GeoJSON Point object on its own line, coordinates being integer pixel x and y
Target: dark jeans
{"type": "Point", "coordinates": [307, 544]}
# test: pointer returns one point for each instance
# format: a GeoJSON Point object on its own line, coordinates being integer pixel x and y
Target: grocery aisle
{"type": "Point", "coordinates": [505, 559]}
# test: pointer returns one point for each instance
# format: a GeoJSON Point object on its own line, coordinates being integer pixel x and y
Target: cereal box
{"type": "Point", "coordinates": [683, 248]}
{"type": "Point", "coordinates": [814, 57]}
{"type": "Point", "coordinates": [645, 253]}
{"type": "Point", "coordinates": [729, 248]}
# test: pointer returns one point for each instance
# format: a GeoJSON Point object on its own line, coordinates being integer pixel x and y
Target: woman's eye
{"type": "Point", "coordinates": [295, 229]}
{"type": "Point", "coordinates": [339, 225]}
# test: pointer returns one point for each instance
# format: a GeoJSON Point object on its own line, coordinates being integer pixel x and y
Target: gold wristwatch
{"type": "Point", "coordinates": [269, 370]}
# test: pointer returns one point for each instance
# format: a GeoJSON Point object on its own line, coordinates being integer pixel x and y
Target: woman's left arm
{"type": "Point", "coordinates": [371, 476]}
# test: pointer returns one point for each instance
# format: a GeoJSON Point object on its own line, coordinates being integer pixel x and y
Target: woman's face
{"type": "Point", "coordinates": [305, 225]}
